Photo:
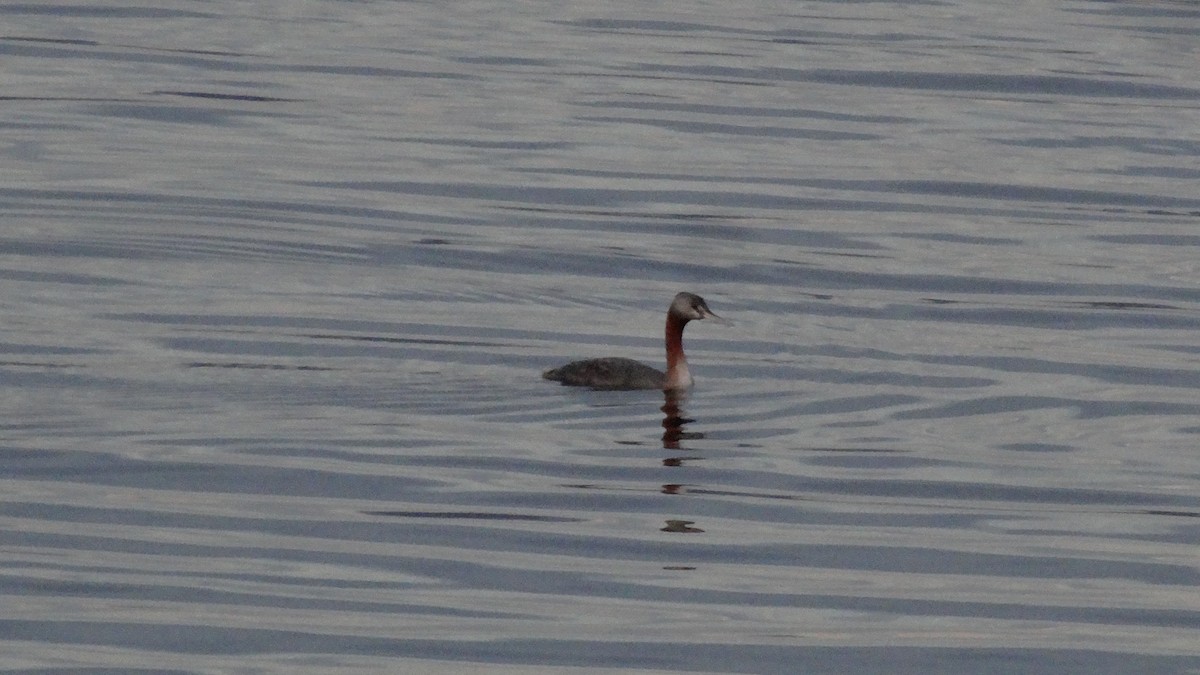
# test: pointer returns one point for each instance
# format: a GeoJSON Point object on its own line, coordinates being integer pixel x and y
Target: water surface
{"type": "Point", "coordinates": [277, 284]}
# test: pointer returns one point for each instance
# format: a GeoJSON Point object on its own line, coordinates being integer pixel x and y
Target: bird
{"type": "Point", "coordinates": [618, 373]}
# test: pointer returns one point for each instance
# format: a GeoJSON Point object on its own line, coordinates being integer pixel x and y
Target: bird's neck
{"type": "Point", "coordinates": [678, 376]}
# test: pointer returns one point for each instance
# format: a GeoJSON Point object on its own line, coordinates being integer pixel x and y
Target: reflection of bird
{"type": "Point", "coordinates": [622, 373]}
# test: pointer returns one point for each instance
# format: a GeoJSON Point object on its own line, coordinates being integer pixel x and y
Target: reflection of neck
{"type": "Point", "coordinates": [678, 376]}
{"type": "Point", "coordinates": [673, 422]}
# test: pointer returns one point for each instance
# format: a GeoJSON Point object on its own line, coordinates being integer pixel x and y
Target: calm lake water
{"type": "Point", "coordinates": [278, 280]}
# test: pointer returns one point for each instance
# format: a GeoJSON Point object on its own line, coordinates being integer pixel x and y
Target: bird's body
{"type": "Point", "coordinates": [622, 373]}
{"type": "Point", "coordinates": [613, 372]}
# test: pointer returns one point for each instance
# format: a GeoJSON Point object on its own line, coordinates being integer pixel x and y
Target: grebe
{"type": "Point", "coordinates": [621, 373]}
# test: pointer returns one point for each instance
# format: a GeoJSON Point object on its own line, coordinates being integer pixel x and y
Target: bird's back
{"type": "Point", "coordinates": [608, 373]}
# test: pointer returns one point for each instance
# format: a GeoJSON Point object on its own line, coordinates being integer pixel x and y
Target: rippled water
{"type": "Point", "coordinates": [277, 281]}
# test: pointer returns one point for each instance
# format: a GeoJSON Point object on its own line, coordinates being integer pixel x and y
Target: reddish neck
{"type": "Point", "coordinates": [678, 376]}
